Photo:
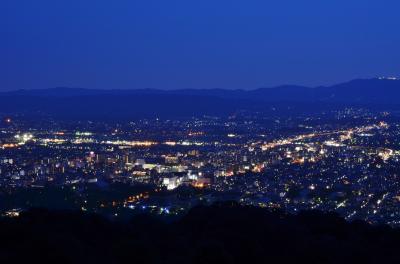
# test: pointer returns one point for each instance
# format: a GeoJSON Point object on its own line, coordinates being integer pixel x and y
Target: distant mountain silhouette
{"type": "Point", "coordinates": [94, 103]}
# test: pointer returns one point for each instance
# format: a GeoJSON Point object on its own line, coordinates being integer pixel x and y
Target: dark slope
{"type": "Point", "coordinates": [224, 233]}
{"type": "Point", "coordinates": [380, 91]}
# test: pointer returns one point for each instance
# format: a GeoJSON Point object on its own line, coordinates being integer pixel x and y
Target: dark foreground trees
{"type": "Point", "coordinates": [222, 233]}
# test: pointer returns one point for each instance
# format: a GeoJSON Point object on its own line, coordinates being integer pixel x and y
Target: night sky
{"type": "Point", "coordinates": [170, 44]}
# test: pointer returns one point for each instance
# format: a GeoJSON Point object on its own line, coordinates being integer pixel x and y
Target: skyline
{"type": "Point", "coordinates": [177, 45]}
{"type": "Point", "coordinates": [293, 85]}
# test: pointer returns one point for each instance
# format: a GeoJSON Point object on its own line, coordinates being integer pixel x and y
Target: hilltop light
{"type": "Point", "coordinates": [389, 78]}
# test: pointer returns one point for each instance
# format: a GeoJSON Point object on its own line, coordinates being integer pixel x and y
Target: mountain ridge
{"type": "Point", "coordinates": [358, 80]}
{"type": "Point", "coordinates": [95, 103]}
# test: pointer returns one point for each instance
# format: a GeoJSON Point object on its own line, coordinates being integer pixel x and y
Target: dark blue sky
{"type": "Point", "coordinates": [171, 44]}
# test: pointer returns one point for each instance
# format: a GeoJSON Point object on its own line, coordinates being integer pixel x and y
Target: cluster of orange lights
{"type": "Point", "coordinates": [135, 198]}
{"type": "Point", "coordinates": [200, 185]}
{"type": "Point", "coordinates": [130, 199]}
{"type": "Point", "coordinates": [298, 161]}
{"type": "Point", "coordinates": [229, 173]}
{"type": "Point", "coordinates": [258, 168]}
{"type": "Point", "coordinates": [4, 146]}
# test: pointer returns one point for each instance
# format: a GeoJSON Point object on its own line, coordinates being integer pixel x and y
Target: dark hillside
{"type": "Point", "coordinates": [223, 233]}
